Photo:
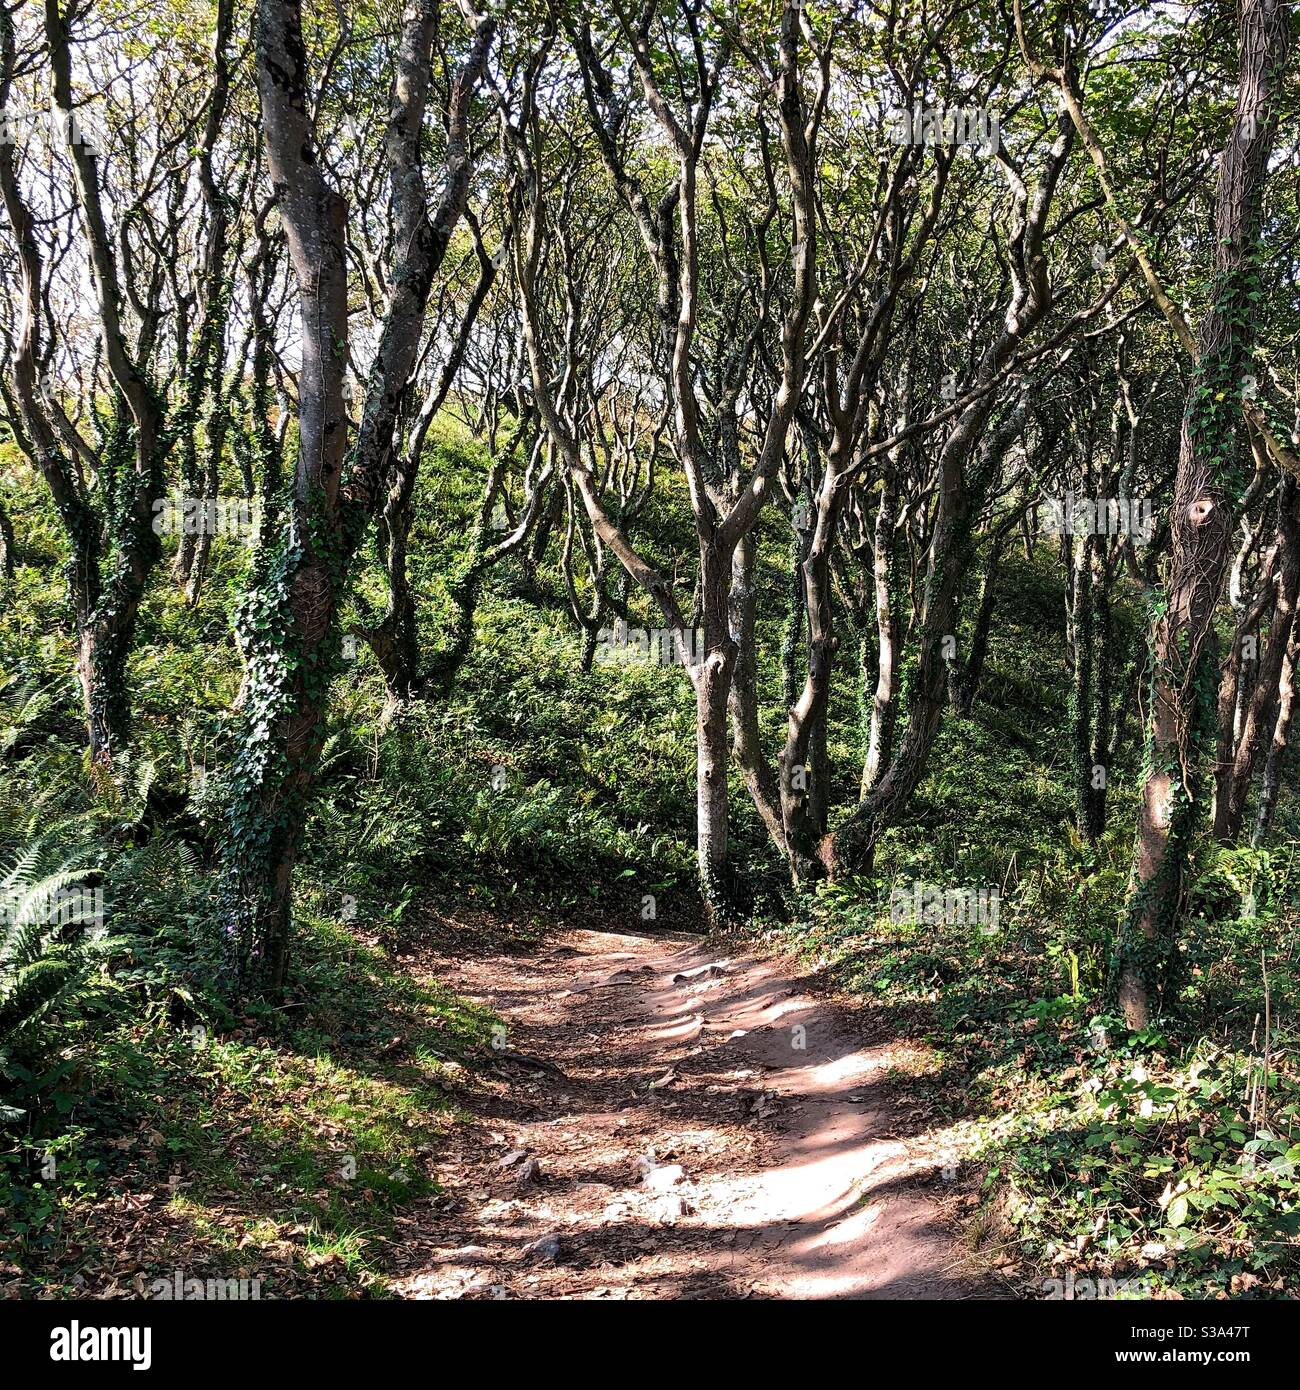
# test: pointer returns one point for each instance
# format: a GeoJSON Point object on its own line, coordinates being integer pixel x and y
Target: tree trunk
{"type": "Point", "coordinates": [794, 618]}
{"type": "Point", "coordinates": [852, 848]}
{"type": "Point", "coordinates": [6, 544]}
{"type": "Point", "coordinates": [1201, 529]}
{"type": "Point", "coordinates": [884, 705]}
{"type": "Point", "coordinates": [1262, 698]}
{"type": "Point", "coordinates": [746, 739]}
{"type": "Point", "coordinates": [964, 683]}
{"type": "Point", "coordinates": [1081, 691]}
{"type": "Point", "coordinates": [1103, 699]}
{"type": "Point", "coordinates": [393, 641]}
{"type": "Point", "coordinates": [800, 758]}
{"type": "Point", "coordinates": [288, 620]}
{"type": "Point", "coordinates": [712, 694]}
{"type": "Point", "coordinates": [1272, 779]}
{"type": "Point", "coordinates": [135, 448]}
{"type": "Point", "coordinates": [205, 371]}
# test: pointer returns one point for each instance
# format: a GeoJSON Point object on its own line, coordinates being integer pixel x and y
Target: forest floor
{"type": "Point", "coordinates": [661, 1119]}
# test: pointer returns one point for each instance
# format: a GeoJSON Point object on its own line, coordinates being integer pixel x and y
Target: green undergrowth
{"type": "Point", "coordinates": [1166, 1158]}
{"type": "Point", "coordinates": [281, 1145]}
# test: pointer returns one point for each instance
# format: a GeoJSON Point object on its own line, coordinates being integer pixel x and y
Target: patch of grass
{"type": "Point", "coordinates": [288, 1153]}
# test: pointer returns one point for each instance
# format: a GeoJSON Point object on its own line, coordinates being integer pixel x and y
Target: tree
{"type": "Point", "coordinates": [288, 623]}
{"type": "Point", "coordinates": [1206, 490]}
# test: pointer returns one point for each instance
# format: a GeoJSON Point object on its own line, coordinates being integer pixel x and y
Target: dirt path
{"type": "Point", "coordinates": [708, 1131]}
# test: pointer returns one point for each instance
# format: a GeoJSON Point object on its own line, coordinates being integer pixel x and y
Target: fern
{"type": "Point", "coordinates": [23, 705]}
{"type": "Point", "coordinates": [50, 938]}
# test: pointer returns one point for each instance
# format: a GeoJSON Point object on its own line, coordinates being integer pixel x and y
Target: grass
{"type": "Point", "coordinates": [287, 1152]}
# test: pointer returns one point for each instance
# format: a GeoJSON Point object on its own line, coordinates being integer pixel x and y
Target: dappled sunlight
{"type": "Point", "coordinates": [681, 1122]}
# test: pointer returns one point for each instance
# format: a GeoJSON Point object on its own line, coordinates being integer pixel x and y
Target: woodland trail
{"type": "Point", "coordinates": [700, 1128]}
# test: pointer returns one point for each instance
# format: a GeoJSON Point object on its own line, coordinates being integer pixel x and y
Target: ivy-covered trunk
{"type": "Point", "coordinates": [288, 630]}
{"type": "Point", "coordinates": [286, 627]}
{"type": "Point", "coordinates": [1209, 482]}
{"type": "Point", "coordinates": [113, 545]}
{"type": "Point", "coordinates": [285, 623]}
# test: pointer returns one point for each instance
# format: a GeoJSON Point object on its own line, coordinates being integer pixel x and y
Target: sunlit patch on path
{"type": "Point", "coordinates": [667, 1121]}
